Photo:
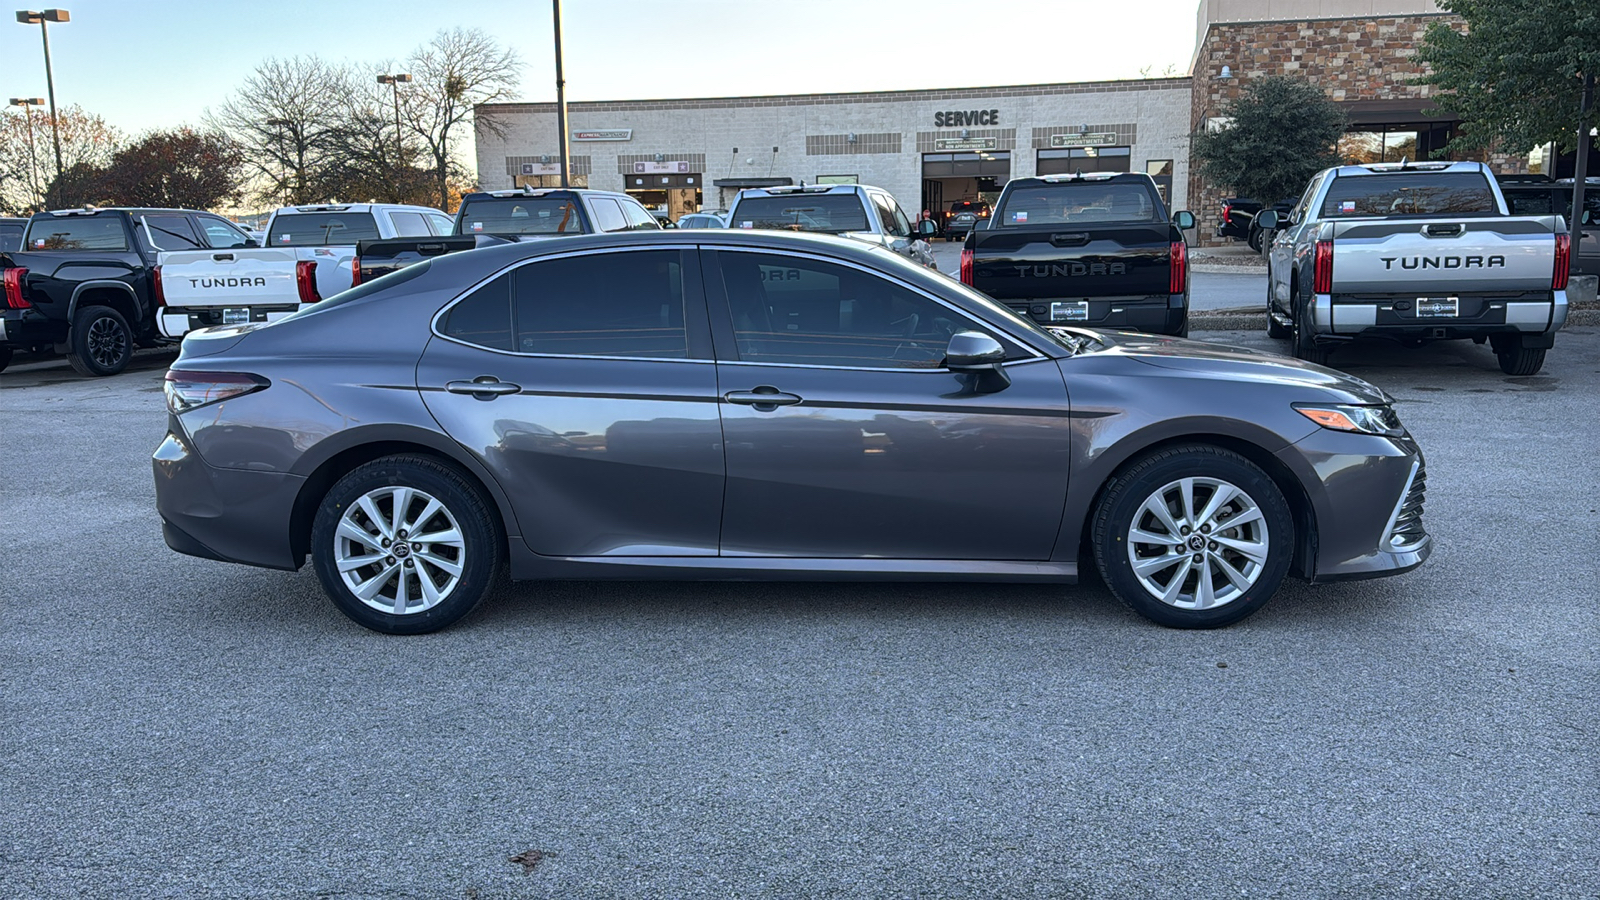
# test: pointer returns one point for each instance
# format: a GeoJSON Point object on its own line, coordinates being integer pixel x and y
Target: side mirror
{"type": "Point", "coordinates": [1267, 220]}
{"type": "Point", "coordinates": [1183, 219]}
{"type": "Point", "coordinates": [981, 225]}
{"type": "Point", "coordinates": [977, 355]}
{"type": "Point", "coordinates": [251, 242]}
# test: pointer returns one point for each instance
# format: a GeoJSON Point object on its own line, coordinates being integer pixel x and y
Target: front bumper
{"type": "Point", "coordinates": [1161, 314]}
{"type": "Point", "coordinates": [232, 515]}
{"type": "Point", "coordinates": [1342, 316]}
{"type": "Point", "coordinates": [1367, 495]}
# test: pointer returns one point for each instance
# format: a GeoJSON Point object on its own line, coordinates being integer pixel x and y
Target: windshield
{"type": "Point", "coordinates": [321, 229]}
{"type": "Point", "coordinates": [1075, 202]}
{"type": "Point", "coordinates": [520, 215]}
{"type": "Point", "coordinates": [1410, 194]}
{"type": "Point", "coordinates": [823, 213]}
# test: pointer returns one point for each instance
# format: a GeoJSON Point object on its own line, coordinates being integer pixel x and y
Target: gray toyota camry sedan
{"type": "Point", "coordinates": [739, 405]}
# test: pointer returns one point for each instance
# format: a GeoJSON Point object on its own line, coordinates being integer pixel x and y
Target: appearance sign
{"type": "Point", "coordinates": [604, 134]}
{"type": "Point", "coordinates": [1094, 139]}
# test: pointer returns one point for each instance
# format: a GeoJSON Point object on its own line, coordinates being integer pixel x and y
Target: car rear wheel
{"type": "Point", "coordinates": [1193, 537]}
{"type": "Point", "coordinates": [1301, 338]}
{"type": "Point", "coordinates": [101, 343]}
{"type": "Point", "coordinates": [405, 545]}
{"type": "Point", "coordinates": [1520, 360]}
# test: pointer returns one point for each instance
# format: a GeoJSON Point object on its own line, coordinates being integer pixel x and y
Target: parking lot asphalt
{"type": "Point", "coordinates": [172, 727]}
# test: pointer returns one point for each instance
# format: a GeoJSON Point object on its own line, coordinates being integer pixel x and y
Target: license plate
{"type": "Point", "coordinates": [235, 316]}
{"type": "Point", "coordinates": [1069, 311]}
{"type": "Point", "coordinates": [1438, 307]}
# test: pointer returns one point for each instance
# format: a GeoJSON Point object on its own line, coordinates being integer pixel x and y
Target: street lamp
{"type": "Point", "coordinates": [42, 19]}
{"type": "Point", "coordinates": [394, 81]}
{"type": "Point", "coordinates": [33, 160]}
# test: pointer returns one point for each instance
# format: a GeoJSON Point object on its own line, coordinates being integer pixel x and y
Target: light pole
{"type": "Point", "coordinates": [42, 19]}
{"type": "Point", "coordinates": [394, 81]}
{"type": "Point", "coordinates": [33, 160]}
{"type": "Point", "coordinates": [561, 95]}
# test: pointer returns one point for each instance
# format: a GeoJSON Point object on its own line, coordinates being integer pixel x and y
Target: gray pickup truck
{"type": "Point", "coordinates": [1416, 252]}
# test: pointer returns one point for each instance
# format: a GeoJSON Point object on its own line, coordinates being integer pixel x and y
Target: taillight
{"type": "Point", "coordinates": [966, 265]}
{"type": "Point", "coordinates": [156, 287]}
{"type": "Point", "coordinates": [1179, 281]}
{"type": "Point", "coordinates": [1558, 276]}
{"type": "Point", "coordinates": [355, 271]}
{"type": "Point", "coordinates": [187, 390]}
{"type": "Point", "coordinates": [13, 281]}
{"type": "Point", "coordinates": [1227, 213]}
{"type": "Point", "coordinates": [1322, 269]}
{"type": "Point", "coordinates": [305, 279]}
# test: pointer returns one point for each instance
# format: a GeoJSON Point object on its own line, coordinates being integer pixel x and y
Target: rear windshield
{"type": "Point", "coordinates": [76, 233]}
{"type": "Point", "coordinates": [321, 229]}
{"type": "Point", "coordinates": [10, 237]}
{"type": "Point", "coordinates": [520, 215]}
{"type": "Point", "coordinates": [1078, 202]}
{"type": "Point", "coordinates": [826, 213]}
{"type": "Point", "coordinates": [1410, 194]}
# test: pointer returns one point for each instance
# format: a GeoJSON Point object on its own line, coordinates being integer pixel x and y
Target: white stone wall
{"type": "Point", "coordinates": [1157, 110]}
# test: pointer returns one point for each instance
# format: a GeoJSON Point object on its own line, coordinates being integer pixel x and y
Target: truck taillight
{"type": "Point", "coordinates": [156, 287]}
{"type": "Point", "coordinates": [1179, 281]}
{"type": "Point", "coordinates": [966, 265]}
{"type": "Point", "coordinates": [1558, 276]}
{"type": "Point", "coordinates": [1322, 269]}
{"type": "Point", "coordinates": [355, 271]}
{"type": "Point", "coordinates": [305, 279]}
{"type": "Point", "coordinates": [1227, 213]}
{"type": "Point", "coordinates": [13, 281]}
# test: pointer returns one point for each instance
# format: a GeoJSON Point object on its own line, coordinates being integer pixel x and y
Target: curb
{"type": "Point", "coordinates": [1217, 269]}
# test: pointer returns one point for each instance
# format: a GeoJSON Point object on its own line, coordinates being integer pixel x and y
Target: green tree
{"type": "Point", "coordinates": [1282, 131]}
{"type": "Point", "coordinates": [1514, 75]}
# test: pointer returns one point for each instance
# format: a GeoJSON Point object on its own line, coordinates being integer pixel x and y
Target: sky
{"type": "Point", "coordinates": [146, 64]}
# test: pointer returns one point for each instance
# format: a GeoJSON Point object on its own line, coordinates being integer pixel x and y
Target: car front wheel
{"type": "Point", "coordinates": [1193, 537]}
{"type": "Point", "coordinates": [405, 545]}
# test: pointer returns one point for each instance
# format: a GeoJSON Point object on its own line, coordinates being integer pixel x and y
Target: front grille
{"type": "Point", "coordinates": [1408, 530]}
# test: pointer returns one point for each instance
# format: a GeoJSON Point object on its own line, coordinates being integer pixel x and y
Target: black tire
{"type": "Point", "coordinates": [101, 343]}
{"type": "Point", "coordinates": [479, 557]}
{"type": "Point", "coordinates": [1301, 340]}
{"type": "Point", "coordinates": [1120, 508]}
{"type": "Point", "coordinates": [1521, 360]}
{"type": "Point", "coordinates": [1254, 240]}
{"type": "Point", "coordinates": [5, 357]}
{"type": "Point", "coordinates": [1274, 329]}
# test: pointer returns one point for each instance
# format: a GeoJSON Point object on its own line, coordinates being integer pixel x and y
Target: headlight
{"type": "Point", "coordinates": [1380, 420]}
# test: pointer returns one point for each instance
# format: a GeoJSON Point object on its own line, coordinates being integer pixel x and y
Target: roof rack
{"type": "Point", "coordinates": [88, 209]}
{"type": "Point", "coordinates": [804, 188]}
{"type": "Point", "coordinates": [1405, 166]}
{"type": "Point", "coordinates": [1080, 176]}
{"type": "Point", "coordinates": [324, 207]}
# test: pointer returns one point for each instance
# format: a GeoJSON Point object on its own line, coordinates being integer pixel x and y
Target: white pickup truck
{"type": "Point", "coordinates": [308, 256]}
{"type": "Point", "coordinates": [1416, 252]}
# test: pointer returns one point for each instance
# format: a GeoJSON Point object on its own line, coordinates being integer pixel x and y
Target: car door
{"type": "Point", "coordinates": [846, 437]}
{"type": "Point", "coordinates": [585, 383]}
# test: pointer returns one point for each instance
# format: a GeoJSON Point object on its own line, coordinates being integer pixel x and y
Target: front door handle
{"type": "Point", "coordinates": [484, 387]}
{"type": "Point", "coordinates": [765, 398]}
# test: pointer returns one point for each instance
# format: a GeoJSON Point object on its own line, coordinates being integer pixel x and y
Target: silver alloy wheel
{"type": "Point", "coordinates": [399, 550]}
{"type": "Point", "coordinates": [1198, 543]}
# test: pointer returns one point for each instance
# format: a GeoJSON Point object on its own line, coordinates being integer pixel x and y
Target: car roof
{"type": "Point", "coordinates": [802, 189]}
{"type": "Point", "coordinates": [542, 192]}
{"type": "Point", "coordinates": [132, 210]}
{"type": "Point", "coordinates": [350, 207]}
{"type": "Point", "coordinates": [1397, 168]}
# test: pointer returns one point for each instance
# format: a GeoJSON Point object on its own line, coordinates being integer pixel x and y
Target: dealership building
{"type": "Point", "coordinates": [932, 147]}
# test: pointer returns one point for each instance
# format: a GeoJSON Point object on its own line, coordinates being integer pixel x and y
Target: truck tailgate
{"type": "Point", "coordinates": [1443, 256]}
{"type": "Point", "coordinates": [229, 278]}
{"type": "Point", "coordinates": [1072, 261]}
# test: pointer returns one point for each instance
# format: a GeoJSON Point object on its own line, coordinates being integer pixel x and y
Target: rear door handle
{"type": "Point", "coordinates": [765, 398]}
{"type": "Point", "coordinates": [484, 387]}
{"type": "Point", "coordinates": [1075, 239]}
{"type": "Point", "coordinates": [222, 257]}
{"type": "Point", "coordinates": [1443, 230]}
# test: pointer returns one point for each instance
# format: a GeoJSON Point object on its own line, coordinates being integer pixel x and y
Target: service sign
{"type": "Point", "coordinates": [660, 168]}
{"type": "Point", "coordinates": [604, 134]}
{"type": "Point", "coordinates": [982, 143]}
{"type": "Point", "coordinates": [1092, 139]}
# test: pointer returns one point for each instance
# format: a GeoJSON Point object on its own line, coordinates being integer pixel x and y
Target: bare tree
{"type": "Point", "coordinates": [454, 72]}
{"type": "Point", "coordinates": [28, 179]}
{"type": "Point", "coordinates": [368, 158]}
{"type": "Point", "coordinates": [284, 118]}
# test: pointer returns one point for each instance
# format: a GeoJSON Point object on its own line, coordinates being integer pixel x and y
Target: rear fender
{"type": "Point", "coordinates": [115, 294]}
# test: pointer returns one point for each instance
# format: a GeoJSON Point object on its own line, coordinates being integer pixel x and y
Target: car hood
{"type": "Point", "coordinates": [1229, 363]}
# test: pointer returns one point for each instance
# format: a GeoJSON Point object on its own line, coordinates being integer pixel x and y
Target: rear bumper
{"type": "Point", "coordinates": [232, 515]}
{"type": "Point", "coordinates": [177, 321]}
{"type": "Point", "coordinates": [29, 327]}
{"type": "Point", "coordinates": [1162, 314]}
{"type": "Point", "coordinates": [1476, 317]}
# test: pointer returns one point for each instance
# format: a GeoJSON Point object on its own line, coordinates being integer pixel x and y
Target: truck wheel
{"type": "Point", "coordinates": [5, 358]}
{"type": "Point", "coordinates": [1254, 240]}
{"type": "Point", "coordinates": [101, 343]}
{"type": "Point", "coordinates": [1274, 330]}
{"type": "Point", "coordinates": [1305, 346]}
{"type": "Point", "coordinates": [1520, 360]}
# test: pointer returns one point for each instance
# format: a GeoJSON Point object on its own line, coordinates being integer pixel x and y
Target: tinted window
{"type": "Point", "coordinates": [442, 224]}
{"type": "Point", "coordinates": [483, 317]}
{"type": "Point", "coordinates": [521, 215]}
{"type": "Point", "coordinates": [1078, 202]}
{"type": "Point", "coordinates": [639, 218]}
{"type": "Point", "coordinates": [1531, 203]}
{"type": "Point", "coordinates": [219, 235]}
{"type": "Point", "coordinates": [606, 304]}
{"type": "Point", "coordinates": [1410, 194]}
{"type": "Point", "coordinates": [409, 224]}
{"type": "Point", "coordinates": [321, 229]}
{"type": "Point", "coordinates": [171, 233]}
{"type": "Point", "coordinates": [828, 213]}
{"type": "Point", "coordinates": [608, 216]}
{"type": "Point", "coordinates": [792, 310]}
{"type": "Point", "coordinates": [76, 233]}
{"type": "Point", "coordinates": [10, 237]}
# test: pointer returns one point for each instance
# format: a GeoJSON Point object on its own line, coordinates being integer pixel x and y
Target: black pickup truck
{"type": "Point", "coordinates": [1239, 220]}
{"type": "Point", "coordinates": [498, 217]}
{"type": "Point", "coordinates": [1096, 249]}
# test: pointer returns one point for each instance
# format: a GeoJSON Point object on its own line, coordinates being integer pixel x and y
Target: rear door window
{"type": "Point", "coordinates": [613, 304]}
{"type": "Point", "coordinates": [102, 232]}
{"type": "Point", "coordinates": [171, 233]}
{"type": "Point", "coordinates": [607, 215]}
{"type": "Point", "coordinates": [322, 229]}
{"type": "Point", "coordinates": [409, 224]}
{"type": "Point", "coordinates": [639, 218]}
{"type": "Point", "coordinates": [10, 237]}
{"type": "Point", "coordinates": [482, 318]}
{"type": "Point", "coordinates": [1410, 194]}
{"type": "Point", "coordinates": [442, 224]}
